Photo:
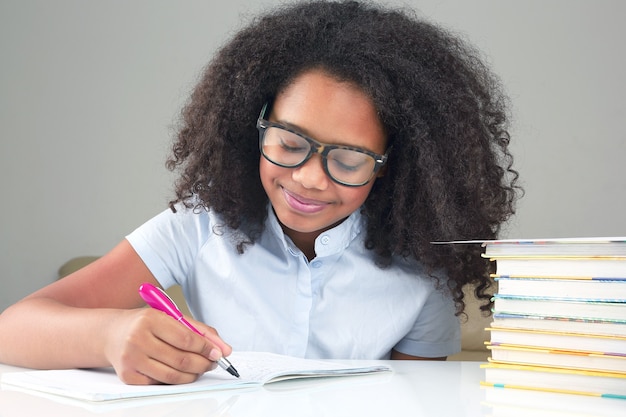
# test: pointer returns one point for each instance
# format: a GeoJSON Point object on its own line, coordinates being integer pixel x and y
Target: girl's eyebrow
{"type": "Point", "coordinates": [294, 127]}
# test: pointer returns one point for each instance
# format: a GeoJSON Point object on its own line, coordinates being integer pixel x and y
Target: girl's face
{"type": "Point", "coordinates": [305, 200]}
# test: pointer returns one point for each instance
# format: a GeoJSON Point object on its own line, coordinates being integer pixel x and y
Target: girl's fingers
{"type": "Point", "coordinates": [211, 334]}
{"type": "Point", "coordinates": [154, 348]}
{"type": "Point", "coordinates": [183, 349]}
{"type": "Point", "coordinates": [153, 371]}
{"type": "Point", "coordinates": [165, 373]}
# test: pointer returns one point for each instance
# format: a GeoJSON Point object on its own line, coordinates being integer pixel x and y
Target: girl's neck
{"type": "Point", "coordinates": [305, 241]}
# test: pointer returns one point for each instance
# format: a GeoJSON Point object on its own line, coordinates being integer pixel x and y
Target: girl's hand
{"type": "Point", "coordinates": [92, 319]}
{"type": "Point", "coordinates": [146, 346]}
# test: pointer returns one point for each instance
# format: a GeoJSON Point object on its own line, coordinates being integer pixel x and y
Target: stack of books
{"type": "Point", "coordinates": [559, 320]}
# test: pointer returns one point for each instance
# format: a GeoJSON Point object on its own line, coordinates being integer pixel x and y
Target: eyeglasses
{"type": "Point", "coordinates": [346, 165]}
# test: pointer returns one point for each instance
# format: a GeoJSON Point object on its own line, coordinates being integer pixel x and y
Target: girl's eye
{"type": "Point", "coordinates": [346, 160]}
{"type": "Point", "coordinates": [291, 144]}
{"type": "Point", "coordinates": [346, 165]}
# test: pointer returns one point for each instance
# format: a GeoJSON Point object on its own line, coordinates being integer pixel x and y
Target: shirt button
{"type": "Point", "coordinates": [316, 264]}
{"type": "Point", "coordinates": [325, 240]}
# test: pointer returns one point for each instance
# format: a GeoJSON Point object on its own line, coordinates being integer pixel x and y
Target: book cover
{"type": "Point", "coordinates": [560, 324]}
{"type": "Point", "coordinates": [542, 403]}
{"type": "Point", "coordinates": [589, 289]}
{"type": "Point", "coordinates": [594, 383]}
{"type": "Point", "coordinates": [557, 306]}
{"type": "Point", "coordinates": [559, 340]}
{"type": "Point", "coordinates": [565, 247]}
{"type": "Point", "coordinates": [595, 267]}
{"type": "Point", "coordinates": [559, 358]}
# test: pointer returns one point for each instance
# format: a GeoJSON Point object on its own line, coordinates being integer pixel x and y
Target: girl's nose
{"type": "Point", "coordinates": [311, 174]}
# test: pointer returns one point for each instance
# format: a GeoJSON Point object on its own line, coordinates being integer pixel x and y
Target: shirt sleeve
{"type": "Point", "coordinates": [169, 242]}
{"type": "Point", "coordinates": [437, 330]}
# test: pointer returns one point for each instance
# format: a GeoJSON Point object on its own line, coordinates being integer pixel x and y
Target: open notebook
{"type": "Point", "coordinates": [255, 368]}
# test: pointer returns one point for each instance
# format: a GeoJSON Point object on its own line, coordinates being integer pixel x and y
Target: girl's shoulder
{"type": "Point", "coordinates": [182, 222]}
{"type": "Point", "coordinates": [201, 222]}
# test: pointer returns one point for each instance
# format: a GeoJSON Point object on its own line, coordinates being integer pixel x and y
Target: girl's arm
{"type": "Point", "coordinates": [93, 318]}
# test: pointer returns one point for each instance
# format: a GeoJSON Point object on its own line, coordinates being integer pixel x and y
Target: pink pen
{"type": "Point", "coordinates": [158, 299]}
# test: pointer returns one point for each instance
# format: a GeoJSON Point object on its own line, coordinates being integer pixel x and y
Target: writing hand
{"type": "Point", "coordinates": [148, 347]}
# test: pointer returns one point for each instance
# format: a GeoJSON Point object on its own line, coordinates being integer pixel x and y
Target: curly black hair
{"type": "Point", "coordinates": [449, 174]}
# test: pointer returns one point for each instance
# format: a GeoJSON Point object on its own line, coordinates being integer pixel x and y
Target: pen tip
{"type": "Point", "coordinates": [234, 372]}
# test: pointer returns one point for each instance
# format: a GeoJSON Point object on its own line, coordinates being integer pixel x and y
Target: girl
{"type": "Point", "coordinates": [325, 147]}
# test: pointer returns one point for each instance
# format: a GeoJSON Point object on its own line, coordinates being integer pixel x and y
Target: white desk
{"type": "Point", "coordinates": [415, 388]}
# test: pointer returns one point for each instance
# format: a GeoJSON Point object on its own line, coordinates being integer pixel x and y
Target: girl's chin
{"type": "Point", "coordinates": [292, 222]}
{"type": "Point", "coordinates": [289, 223]}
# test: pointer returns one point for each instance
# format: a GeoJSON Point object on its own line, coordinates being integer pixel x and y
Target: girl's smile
{"type": "Point", "coordinates": [303, 204]}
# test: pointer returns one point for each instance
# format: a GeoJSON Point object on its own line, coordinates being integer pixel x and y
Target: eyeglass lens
{"type": "Point", "coordinates": [345, 166]}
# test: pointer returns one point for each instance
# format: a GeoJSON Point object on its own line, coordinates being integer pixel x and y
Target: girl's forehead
{"type": "Point", "coordinates": [330, 110]}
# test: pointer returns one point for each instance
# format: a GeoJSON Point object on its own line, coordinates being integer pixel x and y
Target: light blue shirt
{"type": "Point", "coordinates": [271, 298]}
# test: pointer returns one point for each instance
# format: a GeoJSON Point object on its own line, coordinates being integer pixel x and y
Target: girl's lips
{"type": "Point", "coordinates": [302, 204]}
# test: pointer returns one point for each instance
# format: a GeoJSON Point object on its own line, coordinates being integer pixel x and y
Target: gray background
{"type": "Point", "coordinates": [89, 93]}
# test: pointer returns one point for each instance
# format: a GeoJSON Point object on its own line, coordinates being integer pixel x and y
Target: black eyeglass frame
{"type": "Point", "coordinates": [263, 124]}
